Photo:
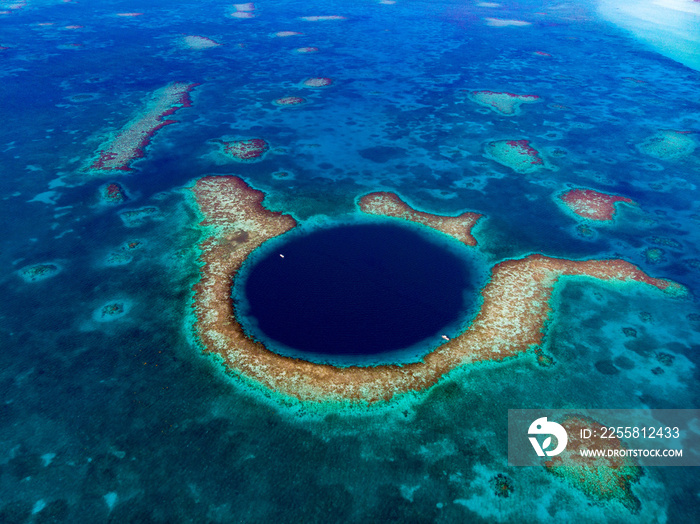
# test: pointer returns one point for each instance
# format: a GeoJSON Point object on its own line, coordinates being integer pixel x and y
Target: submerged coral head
{"type": "Point", "coordinates": [246, 150]}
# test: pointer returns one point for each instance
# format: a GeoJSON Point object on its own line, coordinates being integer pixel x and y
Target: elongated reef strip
{"type": "Point", "coordinates": [502, 103]}
{"type": "Point", "coordinates": [322, 18]}
{"type": "Point", "coordinates": [389, 204]}
{"type": "Point", "coordinates": [515, 305]}
{"type": "Point", "coordinates": [129, 143]}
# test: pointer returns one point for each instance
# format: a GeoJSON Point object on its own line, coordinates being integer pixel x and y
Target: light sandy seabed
{"type": "Point", "coordinates": [670, 27]}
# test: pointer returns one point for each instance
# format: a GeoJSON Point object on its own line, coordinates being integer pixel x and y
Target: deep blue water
{"type": "Point", "coordinates": [357, 290]}
{"type": "Point", "coordinates": [127, 421]}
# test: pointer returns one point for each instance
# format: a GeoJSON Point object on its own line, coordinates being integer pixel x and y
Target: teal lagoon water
{"type": "Point", "coordinates": [110, 411]}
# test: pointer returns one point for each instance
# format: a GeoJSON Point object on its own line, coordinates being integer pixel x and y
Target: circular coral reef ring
{"type": "Point", "coordinates": [513, 311]}
{"type": "Point", "coordinates": [303, 294]}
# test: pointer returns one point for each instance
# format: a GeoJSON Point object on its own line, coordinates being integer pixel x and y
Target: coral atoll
{"type": "Point", "coordinates": [515, 303]}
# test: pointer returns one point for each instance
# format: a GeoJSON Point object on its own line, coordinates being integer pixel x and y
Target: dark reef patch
{"type": "Point", "coordinates": [606, 367]}
{"type": "Point", "coordinates": [381, 154]}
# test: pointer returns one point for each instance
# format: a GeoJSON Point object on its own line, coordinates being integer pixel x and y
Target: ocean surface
{"type": "Point", "coordinates": [360, 293]}
{"type": "Point", "coordinates": [111, 412]}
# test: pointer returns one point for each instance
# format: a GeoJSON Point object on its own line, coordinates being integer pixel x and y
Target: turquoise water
{"type": "Point", "coordinates": [110, 411]}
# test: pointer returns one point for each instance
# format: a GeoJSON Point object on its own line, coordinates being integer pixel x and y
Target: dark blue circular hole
{"type": "Point", "coordinates": [357, 290]}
